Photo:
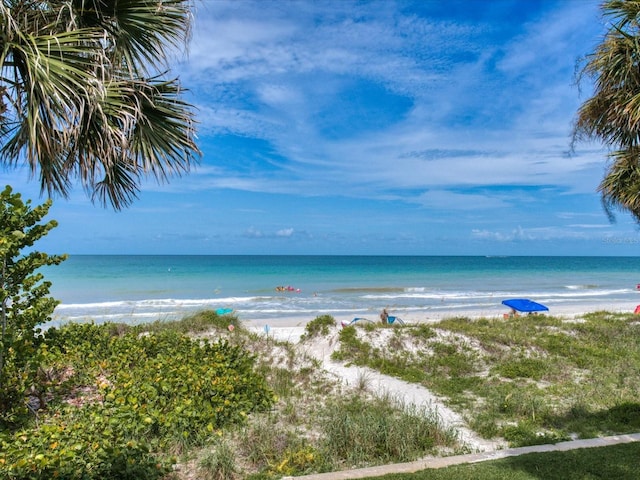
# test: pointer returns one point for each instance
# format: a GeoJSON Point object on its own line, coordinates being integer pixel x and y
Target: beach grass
{"type": "Point", "coordinates": [531, 379]}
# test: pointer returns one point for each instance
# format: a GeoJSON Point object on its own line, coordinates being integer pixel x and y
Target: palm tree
{"type": "Point", "coordinates": [612, 115]}
{"type": "Point", "coordinates": [83, 94]}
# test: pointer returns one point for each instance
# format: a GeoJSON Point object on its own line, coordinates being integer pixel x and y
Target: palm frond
{"type": "Point", "coordinates": [82, 94]}
{"type": "Point", "coordinates": [139, 32]}
{"type": "Point", "coordinates": [118, 188]}
{"type": "Point", "coordinates": [48, 79]}
{"type": "Point", "coordinates": [620, 188]}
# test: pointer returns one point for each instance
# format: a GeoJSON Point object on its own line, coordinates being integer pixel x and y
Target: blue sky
{"type": "Point", "coordinates": [366, 127]}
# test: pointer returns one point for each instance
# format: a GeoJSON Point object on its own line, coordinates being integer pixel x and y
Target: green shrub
{"type": "Point", "coordinates": [78, 449]}
{"type": "Point", "coordinates": [534, 368]}
{"type": "Point", "coordinates": [319, 326]}
{"type": "Point", "coordinates": [24, 302]}
{"type": "Point", "coordinates": [351, 347]}
{"type": "Point", "coordinates": [142, 394]}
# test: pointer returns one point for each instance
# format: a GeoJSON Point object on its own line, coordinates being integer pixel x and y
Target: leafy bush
{"type": "Point", "coordinates": [127, 398]}
{"type": "Point", "coordinates": [77, 449]}
{"type": "Point", "coordinates": [24, 301]}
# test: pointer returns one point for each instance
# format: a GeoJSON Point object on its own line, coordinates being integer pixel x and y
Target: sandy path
{"type": "Point", "coordinates": [404, 393]}
{"type": "Point", "coordinates": [407, 394]}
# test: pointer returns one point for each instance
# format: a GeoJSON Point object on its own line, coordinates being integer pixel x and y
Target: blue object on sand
{"type": "Point", "coordinates": [224, 311]}
{"type": "Point", "coordinates": [357, 319]}
{"type": "Point", "coordinates": [391, 319]}
{"type": "Point", "coordinates": [524, 305]}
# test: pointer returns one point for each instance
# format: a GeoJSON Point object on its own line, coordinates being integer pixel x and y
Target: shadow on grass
{"type": "Point", "coordinates": [616, 462]}
{"type": "Point", "coordinates": [579, 422]}
{"type": "Point", "coordinates": [619, 462]}
{"type": "Point", "coordinates": [623, 418]}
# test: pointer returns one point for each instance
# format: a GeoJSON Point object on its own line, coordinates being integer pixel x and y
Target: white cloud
{"type": "Point", "coordinates": [521, 234]}
{"type": "Point", "coordinates": [285, 232]}
{"type": "Point", "coordinates": [290, 63]}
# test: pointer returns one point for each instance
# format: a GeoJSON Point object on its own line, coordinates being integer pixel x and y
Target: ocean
{"type": "Point", "coordinates": [142, 288]}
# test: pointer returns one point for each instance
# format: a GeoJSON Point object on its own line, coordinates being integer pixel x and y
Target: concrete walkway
{"type": "Point", "coordinates": [418, 465]}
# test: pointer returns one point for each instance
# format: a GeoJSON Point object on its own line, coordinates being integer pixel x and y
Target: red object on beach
{"type": "Point", "coordinates": [637, 310]}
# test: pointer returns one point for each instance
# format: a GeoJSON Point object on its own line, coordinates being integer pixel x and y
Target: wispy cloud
{"type": "Point", "coordinates": [325, 120]}
{"type": "Point", "coordinates": [499, 92]}
{"type": "Point", "coordinates": [521, 234]}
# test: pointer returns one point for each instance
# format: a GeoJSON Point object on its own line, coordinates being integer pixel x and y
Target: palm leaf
{"type": "Point", "coordinates": [139, 32]}
{"type": "Point", "coordinates": [82, 98]}
{"type": "Point", "coordinates": [620, 188]}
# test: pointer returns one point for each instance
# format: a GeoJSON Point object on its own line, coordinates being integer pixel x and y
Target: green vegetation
{"type": "Point", "coordinates": [611, 116]}
{"type": "Point", "coordinates": [194, 399]}
{"type": "Point", "coordinates": [364, 433]}
{"type": "Point", "coordinates": [319, 326]}
{"type": "Point", "coordinates": [121, 402]}
{"type": "Point", "coordinates": [618, 461]}
{"type": "Point", "coordinates": [530, 380]}
{"type": "Point", "coordinates": [24, 301]}
{"type": "Point", "coordinates": [85, 94]}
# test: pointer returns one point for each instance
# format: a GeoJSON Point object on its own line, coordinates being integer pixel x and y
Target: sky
{"type": "Point", "coordinates": [373, 128]}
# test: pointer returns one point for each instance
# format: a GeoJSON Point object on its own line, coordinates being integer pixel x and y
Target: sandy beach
{"type": "Point", "coordinates": [291, 327]}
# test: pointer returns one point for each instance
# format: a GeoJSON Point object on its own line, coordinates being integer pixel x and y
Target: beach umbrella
{"type": "Point", "coordinates": [524, 305]}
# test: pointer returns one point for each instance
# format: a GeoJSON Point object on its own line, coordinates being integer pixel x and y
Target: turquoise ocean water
{"type": "Point", "coordinates": [145, 288]}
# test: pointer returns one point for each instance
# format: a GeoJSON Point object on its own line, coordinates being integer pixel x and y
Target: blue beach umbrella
{"type": "Point", "coordinates": [524, 305]}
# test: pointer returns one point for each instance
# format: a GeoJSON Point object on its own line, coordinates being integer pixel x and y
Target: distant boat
{"type": "Point", "coordinates": [525, 305]}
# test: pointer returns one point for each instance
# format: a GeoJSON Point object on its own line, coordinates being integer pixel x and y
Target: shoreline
{"type": "Point", "coordinates": [258, 320]}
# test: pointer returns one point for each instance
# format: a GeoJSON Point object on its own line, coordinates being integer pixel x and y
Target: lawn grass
{"type": "Point", "coordinates": [619, 462]}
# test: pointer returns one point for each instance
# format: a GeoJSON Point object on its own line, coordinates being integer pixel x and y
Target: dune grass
{"type": "Point", "coordinates": [531, 379]}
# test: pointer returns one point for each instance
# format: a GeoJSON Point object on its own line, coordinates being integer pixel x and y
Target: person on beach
{"type": "Point", "coordinates": [511, 314]}
{"type": "Point", "coordinates": [384, 316]}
